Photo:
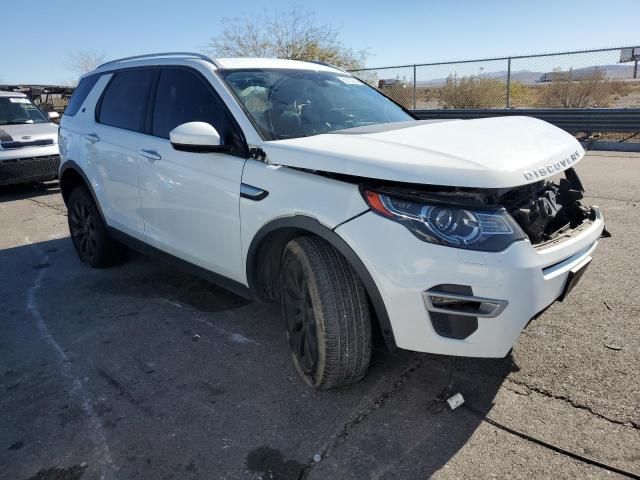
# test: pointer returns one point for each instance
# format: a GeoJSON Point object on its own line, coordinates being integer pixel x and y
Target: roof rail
{"type": "Point", "coordinates": [158, 55]}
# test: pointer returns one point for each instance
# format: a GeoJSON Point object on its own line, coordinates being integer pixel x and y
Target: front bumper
{"type": "Point", "coordinates": [29, 164]}
{"type": "Point", "coordinates": [526, 278]}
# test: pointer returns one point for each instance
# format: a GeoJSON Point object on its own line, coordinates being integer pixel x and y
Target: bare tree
{"type": "Point", "coordinates": [294, 34]}
{"type": "Point", "coordinates": [83, 61]}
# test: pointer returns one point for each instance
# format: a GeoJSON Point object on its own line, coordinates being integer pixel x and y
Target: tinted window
{"type": "Point", "coordinates": [183, 97]}
{"type": "Point", "coordinates": [124, 102]}
{"type": "Point", "coordinates": [80, 94]}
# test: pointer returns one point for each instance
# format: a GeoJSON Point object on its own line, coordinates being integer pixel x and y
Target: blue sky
{"type": "Point", "coordinates": [35, 46]}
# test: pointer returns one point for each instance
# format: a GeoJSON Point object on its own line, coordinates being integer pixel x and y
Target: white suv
{"type": "Point", "coordinates": [296, 182]}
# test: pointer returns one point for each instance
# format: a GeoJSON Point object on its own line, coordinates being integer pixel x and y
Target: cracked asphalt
{"type": "Point", "coordinates": [142, 371]}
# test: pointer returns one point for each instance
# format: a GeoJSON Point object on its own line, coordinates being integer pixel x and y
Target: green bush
{"type": "Point", "coordinates": [476, 93]}
{"type": "Point", "coordinates": [400, 93]}
{"type": "Point", "coordinates": [472, 92]}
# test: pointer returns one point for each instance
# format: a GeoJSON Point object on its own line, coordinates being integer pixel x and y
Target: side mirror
{"type": "Point", "coordinates": [53, 115]}
{"type": "Point", "coordinates": [197, 137]}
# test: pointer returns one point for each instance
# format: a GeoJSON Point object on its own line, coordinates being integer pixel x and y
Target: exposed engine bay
{"type": "Point", "coordinates": [550, 209]}
{"type": "Point", "coordinates": [544, 210]}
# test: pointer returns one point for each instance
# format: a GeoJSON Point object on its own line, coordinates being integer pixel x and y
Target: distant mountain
{"type": "Point", "coordinates": [528, 77]}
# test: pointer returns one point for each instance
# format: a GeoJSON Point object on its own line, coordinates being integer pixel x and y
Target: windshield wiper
{"type": "Point", "coordinates": [28, 122]}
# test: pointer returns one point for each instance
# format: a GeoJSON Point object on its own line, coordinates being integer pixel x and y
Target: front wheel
{"type": "Point", "coordinates": [326, 312]}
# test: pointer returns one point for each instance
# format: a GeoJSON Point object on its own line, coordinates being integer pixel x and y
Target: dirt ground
{"type": "Point", "coordinates": [144, 372]}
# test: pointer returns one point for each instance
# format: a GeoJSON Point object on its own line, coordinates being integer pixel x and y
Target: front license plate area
{"type": "Point", "coordinates": [574, 277]}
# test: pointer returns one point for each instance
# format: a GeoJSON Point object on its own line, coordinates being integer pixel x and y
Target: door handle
{"type": "Point", "coordinates": [150, 155]}
{"type": "Point", "coordinates": [93, 137]}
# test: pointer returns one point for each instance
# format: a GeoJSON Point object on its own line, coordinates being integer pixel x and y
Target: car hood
{"type": "Point", "coordinates": [37, 131]}
{"type": "Point", "coordinates": [499, 152]}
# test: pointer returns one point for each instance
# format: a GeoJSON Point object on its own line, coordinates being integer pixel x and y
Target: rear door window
{"type": "Point", "coordinates": [124, 102]}
{"type": "Point", "coordinates": [184, 97]}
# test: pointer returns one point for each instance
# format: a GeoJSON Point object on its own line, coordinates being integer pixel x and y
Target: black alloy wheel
{"type": "Point", "coordinates": [299, 316]}
{"type": "Point", "coordinates": [89, 233]}
{"type": "Point", "coordinates": [82, 226]}
{"type": "Point", "coordinates": [326, 314]}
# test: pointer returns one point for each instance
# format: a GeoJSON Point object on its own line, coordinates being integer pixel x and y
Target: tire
{"type": "Point", "coordinates": [326, 314]}
{"type": "Point", "coordinates": [88, 232]}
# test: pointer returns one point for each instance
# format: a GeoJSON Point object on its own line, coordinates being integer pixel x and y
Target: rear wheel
{"type": "Point", "coordinates": [326, 312]}
{"type": "Point", "coordinates": [89, 233]}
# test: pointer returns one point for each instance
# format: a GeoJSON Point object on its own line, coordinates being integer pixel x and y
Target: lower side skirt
{"type": "Point", "coordinates": [217, 279]}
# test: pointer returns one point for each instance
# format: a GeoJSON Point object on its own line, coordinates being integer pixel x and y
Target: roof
{"type": "Point", "coordinates": [247, 62]}
{"type": "Point", "coordinates": [169, 58]}
{"type": "Point", "coordinates": [11, 94]}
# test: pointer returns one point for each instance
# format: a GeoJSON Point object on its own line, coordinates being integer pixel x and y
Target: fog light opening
{"type": "Point", "coordinates": [463, 304]}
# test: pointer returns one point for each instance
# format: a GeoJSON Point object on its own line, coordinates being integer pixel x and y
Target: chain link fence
{"type": "Point", "coordinates": [581, 79]}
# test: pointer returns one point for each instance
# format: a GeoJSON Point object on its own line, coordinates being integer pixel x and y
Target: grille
{"type": "Point", "coordinates": [29, 169]}
{"type": "Point", "coordinates": [34, 143]}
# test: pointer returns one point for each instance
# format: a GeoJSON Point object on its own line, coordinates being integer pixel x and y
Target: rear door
{"type": "Point", "coordinates": [190, 201]}
{"type": "Point", "coordinates": [111, 148]}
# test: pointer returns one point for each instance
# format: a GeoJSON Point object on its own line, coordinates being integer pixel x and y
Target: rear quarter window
{"type": "Point", "coordinates": [80, 94]}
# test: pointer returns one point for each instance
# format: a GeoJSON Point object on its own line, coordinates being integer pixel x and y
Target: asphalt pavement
{"type": "Point", "coordinates": [142, 371]}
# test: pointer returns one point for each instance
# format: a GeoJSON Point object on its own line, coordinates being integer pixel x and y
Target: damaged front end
{"type": "Point", "coordinates": [487, 219]}
{"type": "Point", "coordinates": [549, 210]}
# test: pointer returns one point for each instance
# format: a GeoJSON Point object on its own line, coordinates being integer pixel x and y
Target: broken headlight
{"type": "Point", "coordinates": [486, 230]}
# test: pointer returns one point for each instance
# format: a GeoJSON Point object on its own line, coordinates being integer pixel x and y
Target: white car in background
{"type": "Point", "coordinates": [28, 141]}
{"type": "Point", "coordinates": [295, 182]}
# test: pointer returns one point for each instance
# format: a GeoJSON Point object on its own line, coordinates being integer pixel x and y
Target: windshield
{"type": "Point", "coordinates": [299, 103]}
{"type": "Point", "coordinates": [19, 110]}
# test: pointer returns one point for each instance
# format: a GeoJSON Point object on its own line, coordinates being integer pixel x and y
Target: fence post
{"type": "Point", "coordinates": [508, 82]}
{"type": "Point", "coordinates": [414, 87]}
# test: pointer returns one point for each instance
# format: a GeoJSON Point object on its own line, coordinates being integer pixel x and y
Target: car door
{"type": "Point", "coordinates": [190, 201]}
{"type": "Point", "coordinates": [111, 147]}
